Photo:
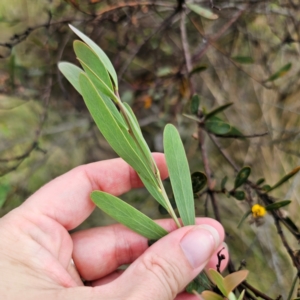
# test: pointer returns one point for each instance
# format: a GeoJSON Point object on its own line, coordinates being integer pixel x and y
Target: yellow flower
{"type": "Point", "coordinates": [258, 211]}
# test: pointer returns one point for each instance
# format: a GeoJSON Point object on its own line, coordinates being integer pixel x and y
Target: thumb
{"type": "Point", "coordinates": [171, 263]}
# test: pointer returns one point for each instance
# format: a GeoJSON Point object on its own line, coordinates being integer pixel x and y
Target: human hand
{"type": "Point", "coordinates": [36, 248]}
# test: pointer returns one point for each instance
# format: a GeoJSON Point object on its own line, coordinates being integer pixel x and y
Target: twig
{"type": "Point", "coordinates": [215, 37]}
{"type": "Point", "coordinates": [224, 154]}
{"type": "Point", "coordinates": [163, 25]}
{"type": "Point", "coordinates": [207, 169]}
{"type": "Point", "coordinates": [255, 291]}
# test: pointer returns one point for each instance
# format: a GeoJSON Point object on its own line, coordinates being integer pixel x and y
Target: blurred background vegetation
{"type": "Point", "coordinates": [245, 52]}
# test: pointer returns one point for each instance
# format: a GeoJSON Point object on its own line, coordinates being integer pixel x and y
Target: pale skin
{"type": "Point", "coordinates": [36, 248]}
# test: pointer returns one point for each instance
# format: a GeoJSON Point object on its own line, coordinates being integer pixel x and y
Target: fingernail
{"type": "Point", "coordinates": [199, 244]}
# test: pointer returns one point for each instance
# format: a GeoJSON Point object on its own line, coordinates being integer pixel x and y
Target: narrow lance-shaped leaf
{"type": "Point", "coordinates": [198, 69]}
{"type": "Point", "coordinates": [277, 205]}
{"type": "Point", "coordinates": [179, 174]}
{"type": "Point", "coordinates": [244, 217]}
{"type": "Point", "coordinates": [105, 92]}
{"type": "Point", "coordinates": [281, 72]}
{"type": "Point", "coordinates": [128, 215]}
{"type": "Point", "coordinates": [243, 59]}
{"type": "Point", "coordinates": [89, 57]}
{"type": "Point", "coordinates": [101, 54]}
{"type": "Point", "coordinates": [118, 137]}
{"type": "Point", "coordinates": [217, 110]}
{"type": "Point", "coordinates": [203, 12]}
{"type": "Point", "coordinates": [284, 179]}
{"type": "Point", "coordinates": [291, 224]}
{"type": "Point", "coordinates": [241, 297]}
{"type": "Point", "coordinates": [137, 134]}
{"type": "Point", "coordinates": [71, 72]}
{"type": "Point", "coordinates": [218, 279]}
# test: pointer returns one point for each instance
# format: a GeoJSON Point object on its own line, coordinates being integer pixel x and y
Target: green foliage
{"type": "Point", "coordinates": [277, 205]}
{"type": "Point", "coordinates": [101, 55]}
{"type": "Point", "coordinates": [217, 127]}
{"type": "Point", "coordinates": [260, 181]}
{"type": "Point", "coordinates": [203, 12]}
{"type": "Point", "coordinates": [198, 69]}
{"type": "Point", "coordinates": [128, 215]}
{"type": "Point", "coordinates": [217, 110]}
{"type": "Point", "coordinates": [280, 73]}
{"type": "Point", "coordinates": [238, 195]}
{"type": "Point", "coordinates": [195, 101]}
{"type": "Point", "coordinates": [225, 285]}
{"type": "Point", "coordinates": [4, 190]}
{"type": "Point", "coordinates": [243, 59]}
{"type": "Point", "coordinates": [284, 179]}
{"type": "Point", "coordinates": [223, 182]}
{"type": "Point", "coordinates": [244, 217]}
{"type": "Point", "coordinates": [199, 284]}
{"type": "Point", "coordinates": [242, 176]}
{"type": "Point", "coordinates": [179, 175]}
{"type": "Point", "coordinates": [199, 181]}
{"type": "Point", "coordinates": [71, 72]}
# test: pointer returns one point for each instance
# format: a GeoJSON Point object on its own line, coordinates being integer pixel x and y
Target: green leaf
{"type": "Point", "coordinates": [243, 59]}
{"type": "Point", "coordinates": [86, 55]}
{"type": "Point", "coordinates": [71, 72]}
{"type": "Point", "coordinates": [284, 179]}
{"type": "Point", "coordinates": [218, 280]}
{"type": "Point", "coordinates": [100, 53]}
{"type": "Point", "coordinates": [199, 180]}
{"type": "Point", "coordinates": [138, 137]}
{"type": "Point", "coordinates": [245, 216]}
{"type": "Point", "coordinates": [217, 110]}
{"type": "Point", "coordinates": [199, 284]}
{"type": "Point", "coordinates": [291, 224]}
{"type": "Point", "coordinates": [277, 205]}
{"type": "Point", "coordinates": [266, 187]}
{"type": "Point", "coordinates": [179, 174]}
{"type": "Point", "coordinates": [130, 111]}
{"type": "Point", "coordinates": [128, 215]}
{"type": "Point", "coordinates": [234, 133]}
{"type": "Point", "coordinates": [242, 176]}
{"type": "Point", "coordinates": [241, 297]}
{"type": "Point", "coordinates": [198, 69]}
{"type": "Point", "coordinates": [201, 11]}
{"type": "Point", "coordinates": [117, 136]}
{"type": "Point", "coordinates": [4, 190]}
{"type": "Point", "coordinates": [223, 183]}
{"type": "Point", "coordinates": [98, 75]}
{"type": "Point", "coordinates": [260, 181]}
{"type": "Point", "coordinates": [209, 295]}
{"type": "Point", "coordinates": [195, 101]}
{"type": "Point", "coordinates": [280, 73]}
{"type": "Point", "coordinates": [232, 280]}
{"type": "Point", "coordinates": [238, 195]}
{"type": "Point", "coordinates": [163, 211]}
{"type": "Point", "coordinates": [217, 127]}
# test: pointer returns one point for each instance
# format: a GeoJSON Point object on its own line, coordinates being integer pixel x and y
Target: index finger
{"type": "Point", "coordinates": [66, 199]}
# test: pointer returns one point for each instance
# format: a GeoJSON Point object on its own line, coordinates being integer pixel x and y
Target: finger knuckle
{"type": "Point", "coordinates": [167, 273]}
